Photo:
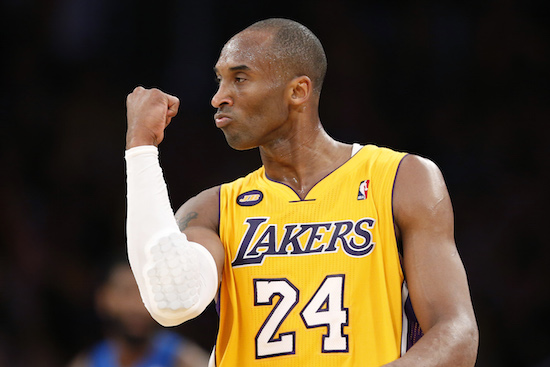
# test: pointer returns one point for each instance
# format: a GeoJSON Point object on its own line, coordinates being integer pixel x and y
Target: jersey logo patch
{"type": "Point", "coordinates": [363, 190]}
{"type": "Point", "coordinates": [250, 198]}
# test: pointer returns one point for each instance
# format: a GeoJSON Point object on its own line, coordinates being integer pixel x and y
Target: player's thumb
{"type": "Point", "coordinates": [173, 106]}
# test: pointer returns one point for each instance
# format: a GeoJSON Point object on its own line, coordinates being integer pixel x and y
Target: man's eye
{"type": "Point", "coordinates": [240, 80]}
{"type": "Point", "coordinates": [217, 79]}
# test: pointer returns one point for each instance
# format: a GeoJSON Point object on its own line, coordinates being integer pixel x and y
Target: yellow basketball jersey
{"type": "Point", "coordinates": [313, 282]}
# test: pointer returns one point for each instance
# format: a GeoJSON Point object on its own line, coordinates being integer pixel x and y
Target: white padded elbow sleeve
{"type": "Point", "coordinates": [177, 278]}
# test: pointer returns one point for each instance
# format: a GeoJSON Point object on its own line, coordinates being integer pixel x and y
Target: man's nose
{"type": "Point", "coordinates": [221, 97]}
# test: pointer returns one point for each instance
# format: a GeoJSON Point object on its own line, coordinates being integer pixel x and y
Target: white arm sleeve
{"type": "Point", "coordinates": [177, 278]}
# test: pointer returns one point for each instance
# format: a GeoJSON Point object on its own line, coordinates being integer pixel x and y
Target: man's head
{"type": "Point", "coordinates": [120, 307]}
{"type": "Point", "coordinates": [268, 74]}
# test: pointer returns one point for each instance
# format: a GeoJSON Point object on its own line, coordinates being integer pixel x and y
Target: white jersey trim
{"type": "Point", "coordinates": [405, 324]}
{"type": "Point", "coordinates": [356, 147]}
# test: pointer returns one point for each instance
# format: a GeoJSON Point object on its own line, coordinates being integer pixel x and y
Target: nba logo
{"type": "Point", "coordinates": [363, 190]}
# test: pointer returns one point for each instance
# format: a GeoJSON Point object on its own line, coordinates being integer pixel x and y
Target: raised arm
{"type": "Point", "coordinates": [177, 278]}
{"type": "Point", "coordinates": [434, 272]}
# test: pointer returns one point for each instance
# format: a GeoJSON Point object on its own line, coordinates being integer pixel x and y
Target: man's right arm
{"type": "Point", "coordinates": [177, 278]}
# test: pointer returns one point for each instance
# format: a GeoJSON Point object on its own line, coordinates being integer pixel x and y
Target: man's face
{"type": "Point", "coordinates": [120, 304]}
{"type": "Point", "coordinates": [251, 97]}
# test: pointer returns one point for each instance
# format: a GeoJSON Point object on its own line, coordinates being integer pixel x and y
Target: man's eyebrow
{"type": "Point", "coordinates": [234, 68]}
{"type": "Point", "coordinates": [239, 68]}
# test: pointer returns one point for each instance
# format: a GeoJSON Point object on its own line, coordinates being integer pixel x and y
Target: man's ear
{"type": "Point", "coordinates": [301, 90]}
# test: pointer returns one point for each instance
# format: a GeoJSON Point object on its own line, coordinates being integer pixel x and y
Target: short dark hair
{"type": "Point", "coordinates": [298, 49]}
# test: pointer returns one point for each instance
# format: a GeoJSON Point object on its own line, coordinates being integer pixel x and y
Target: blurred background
{"type": "Point", "coordinates": [464, 83]}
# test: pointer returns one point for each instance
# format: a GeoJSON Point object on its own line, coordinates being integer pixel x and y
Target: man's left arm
{"type": "Point", "coordinates": [435, 275]}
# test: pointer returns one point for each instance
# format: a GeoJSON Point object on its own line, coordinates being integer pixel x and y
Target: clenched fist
{"type": "Point", "coordinates": [149, 111]}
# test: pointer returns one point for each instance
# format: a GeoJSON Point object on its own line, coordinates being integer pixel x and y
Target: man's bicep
{"type": "Point", "coordinates": [202, 210]}
{"type": "Point", "coordinates": [434, 271]}
{"type": "Point", "coordinates": [198, 218]}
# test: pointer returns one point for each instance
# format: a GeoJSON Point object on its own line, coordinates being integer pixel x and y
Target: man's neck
{"type": "Point", "coordinates": [303, 160]}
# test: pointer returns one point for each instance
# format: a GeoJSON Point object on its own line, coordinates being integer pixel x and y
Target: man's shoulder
{"type": "Point", "coordinates": [419, 185]}
{"type": "Point", "coordinates": [416, 165]}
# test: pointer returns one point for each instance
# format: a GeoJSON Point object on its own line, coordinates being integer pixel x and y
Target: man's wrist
{"type": "Point", "coordinates": [132, 142]}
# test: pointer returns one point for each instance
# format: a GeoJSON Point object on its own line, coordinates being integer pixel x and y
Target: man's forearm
{"type": "Point", "coordinates": [446, 344]}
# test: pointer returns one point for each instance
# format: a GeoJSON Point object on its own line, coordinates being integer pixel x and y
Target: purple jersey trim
{"type": "Point", "coordinates": [411, 327]}
{"type": "Point", "coordinates": [414, 332]}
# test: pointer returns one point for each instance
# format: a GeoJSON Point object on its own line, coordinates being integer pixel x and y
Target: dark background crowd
{"type": "Point", "coordinates": [464, 83]}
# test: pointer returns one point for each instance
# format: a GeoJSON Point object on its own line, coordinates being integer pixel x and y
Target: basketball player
{"type": "Point", "coordinates": [312, 257]}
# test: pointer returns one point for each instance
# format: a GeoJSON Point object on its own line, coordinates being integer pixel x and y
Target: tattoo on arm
{"type": "Point", "coordinates": [184, 222]}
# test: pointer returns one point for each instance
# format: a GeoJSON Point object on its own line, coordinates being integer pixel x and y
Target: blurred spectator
{"type": "Point", "coordinates": [133, 338]}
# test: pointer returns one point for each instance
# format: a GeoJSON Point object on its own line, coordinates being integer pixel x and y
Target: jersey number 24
{"type": "Point", "coordinates": [324, 309]}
